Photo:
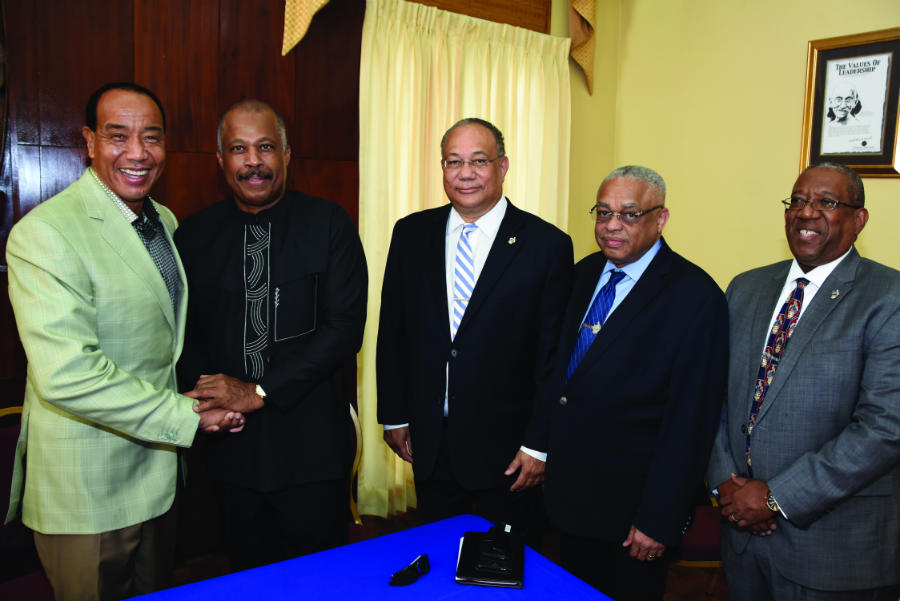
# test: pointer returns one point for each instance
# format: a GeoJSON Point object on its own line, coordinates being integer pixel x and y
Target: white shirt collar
{"type": "Point", "coordinates": [636, 269]}
{"type": "Point", "coordinates": [488, 224]}
{"type": "Point", "coordinates": [817, 275]}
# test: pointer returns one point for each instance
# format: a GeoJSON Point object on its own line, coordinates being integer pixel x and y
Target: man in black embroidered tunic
{"type": "Point", "coordinates": [276, 312]}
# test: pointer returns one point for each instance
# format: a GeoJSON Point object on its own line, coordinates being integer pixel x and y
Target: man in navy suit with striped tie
{"type": "Point", "coordinates": [638, 383]}
{"type": "Point", "coordinates": [471, 306]}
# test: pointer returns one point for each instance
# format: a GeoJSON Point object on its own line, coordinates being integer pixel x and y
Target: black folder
{"type": "Point", "coordinates": [493, 558]}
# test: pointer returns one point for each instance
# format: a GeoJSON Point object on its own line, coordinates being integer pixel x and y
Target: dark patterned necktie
{"type": "Point", "coordinates": [595, 319]}
{"type": "Point", "coordinates": [779, 335]}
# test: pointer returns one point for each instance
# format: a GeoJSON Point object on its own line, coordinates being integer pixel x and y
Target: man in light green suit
{"type": "Point", "coordinates": [99, 297]}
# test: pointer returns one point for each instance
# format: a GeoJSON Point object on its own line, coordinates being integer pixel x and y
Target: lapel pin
{"type": "Point", "coordinates": [835, 293]}
{"type": "Point", "coordinates": [512, 240]}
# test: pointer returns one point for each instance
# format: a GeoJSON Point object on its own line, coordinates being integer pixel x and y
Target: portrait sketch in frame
{"type": "Point", "coordinates": [851, 106]}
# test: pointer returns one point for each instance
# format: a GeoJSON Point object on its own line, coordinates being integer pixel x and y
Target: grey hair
{"type": "Point", "coordinates": [498, 137]}
{"type": "Point", "coordinates": [643, 174]}
{"type": "Point", "coordinates": [854, 183]}
{"type": "Point", "coordinates": [254, 106]}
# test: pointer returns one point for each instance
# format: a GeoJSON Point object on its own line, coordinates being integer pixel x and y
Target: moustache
{"type": "Point", "coordinates": [255, 173]}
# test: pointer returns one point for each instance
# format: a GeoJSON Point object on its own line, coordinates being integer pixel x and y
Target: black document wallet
{"type": "Point", "coordinates": [493, 558]}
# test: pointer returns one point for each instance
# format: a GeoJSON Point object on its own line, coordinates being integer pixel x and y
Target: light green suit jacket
{"type": "Point", "coordinates": [102, 418]}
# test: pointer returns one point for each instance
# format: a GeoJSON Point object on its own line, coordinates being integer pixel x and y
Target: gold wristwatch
{"type": "Point", "coordinates": [771, 504]}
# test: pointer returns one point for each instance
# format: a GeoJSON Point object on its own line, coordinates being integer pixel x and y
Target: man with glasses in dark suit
{"type": "Point", "coordinates": [470, 310]}
{"type": "Point", "coordinates": [638, 382]}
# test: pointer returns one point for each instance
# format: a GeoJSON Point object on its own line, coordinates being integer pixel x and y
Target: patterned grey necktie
{"type": "Point", "coordinates": [150, 230]}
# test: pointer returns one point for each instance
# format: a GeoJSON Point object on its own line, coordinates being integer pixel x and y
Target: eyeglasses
{"type": "Point", "coordinates": [795, 203]}
{"type": "Point", "coordinates": [625, 217]}
{"type": "Point", "coordinates": [476, 164]}
{"type": "Point", "coordinates": [846, 100]}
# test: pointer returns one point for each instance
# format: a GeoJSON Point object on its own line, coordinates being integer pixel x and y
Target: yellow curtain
{"type": "Point", "coordinates": [422, 69]}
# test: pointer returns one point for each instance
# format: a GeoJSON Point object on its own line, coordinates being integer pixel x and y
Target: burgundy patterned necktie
{"type": "Point", "coordinates": [779, 335]}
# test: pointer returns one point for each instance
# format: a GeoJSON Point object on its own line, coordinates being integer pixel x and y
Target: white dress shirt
{"type": "Point", "coordinates": [481, 241]}
{"type": "Point", "coordinates": [816, 277]}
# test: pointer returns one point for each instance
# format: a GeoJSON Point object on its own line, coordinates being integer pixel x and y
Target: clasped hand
{"type": "Point", "coordinates": [743, 503]}
{"type": "Point", "coordinates": [223, 402]}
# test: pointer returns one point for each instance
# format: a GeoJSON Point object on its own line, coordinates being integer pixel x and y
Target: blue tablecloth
{"type": "Point", "coordinates": [362, 570]}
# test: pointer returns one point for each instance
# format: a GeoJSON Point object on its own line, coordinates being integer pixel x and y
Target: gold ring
{"type": "Point", "coordinates": [733, 519]}
{"type": "Point", "coordinates": [651, 556]}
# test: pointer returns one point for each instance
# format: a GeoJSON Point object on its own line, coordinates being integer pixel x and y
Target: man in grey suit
{"type": "Point", "coordinates": [807, 459]}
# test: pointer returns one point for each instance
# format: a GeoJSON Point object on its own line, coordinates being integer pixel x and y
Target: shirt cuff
{"type": "Point", "coordinates": [394, 426]}
{"type": "Point", "coordinates": [536, 454]}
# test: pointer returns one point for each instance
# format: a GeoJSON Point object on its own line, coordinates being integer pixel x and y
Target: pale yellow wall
{"type": "Point", "coordinates": [593, 119]}
{"type": "Point", "coordinates": [710, 94]}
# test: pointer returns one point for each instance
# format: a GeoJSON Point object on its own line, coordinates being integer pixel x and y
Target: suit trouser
{"type": "Point", "coordinates": [113, 565]}
{"type": "Point", "coordinates": [753, 576]}
{"type": "Point", "coordinates": [441, 496]}
{"type": "Point", "coordinates": [264, 527]}
{"type": "Point", "coordinates": [606, 566]}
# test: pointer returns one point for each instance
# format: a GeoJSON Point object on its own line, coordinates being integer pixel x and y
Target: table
{"type": "Point", "coordinates": [362, 570]}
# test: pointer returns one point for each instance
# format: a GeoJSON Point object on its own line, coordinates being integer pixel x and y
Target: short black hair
{"type": "Point", "coordinates": [90, 111]}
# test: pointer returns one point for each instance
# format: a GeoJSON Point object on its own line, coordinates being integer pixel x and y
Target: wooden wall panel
{"type": "Point", "coordinates": [27, 179]}
{"type": "Point", "coordinates": [20, 19]}
{"type": "Point", "coordinates": [250, 61]}
{"type": "Point", "coordinates": [327, 84]}
{"type": "Point", "coordinates": [60, 167]}
{"type": "Point", "coordinates": [189, 183]}
{"type": "Point", "coordinates": [82, 45]}
{"type": "Point", "coordinates": [176, 45]}
{"type": "Point", "coordinates": [7, 212]}
{"type": "Point", "coordinates": [337, 181]}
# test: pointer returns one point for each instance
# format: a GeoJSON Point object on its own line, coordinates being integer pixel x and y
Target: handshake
{"type": "Point", "coordinates": [223, 402]}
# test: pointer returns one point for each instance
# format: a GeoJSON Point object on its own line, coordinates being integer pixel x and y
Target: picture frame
{"type": "Point", "coordinates": [850, 110]}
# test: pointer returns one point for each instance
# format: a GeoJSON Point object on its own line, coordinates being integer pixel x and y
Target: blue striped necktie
{"type": "Point", "coordinates": [463, 277]}
{"type": "Point", "coordinates": [596, 317]}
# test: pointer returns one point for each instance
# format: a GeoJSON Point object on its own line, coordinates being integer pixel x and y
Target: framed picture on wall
{"type": "Point", "coordinates": [850, 113]}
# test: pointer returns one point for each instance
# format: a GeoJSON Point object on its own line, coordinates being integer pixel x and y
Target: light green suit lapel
{"type": "Point", "coordinates": [122, 239]}
{"type": "Point", "coordinates": [181, 311]}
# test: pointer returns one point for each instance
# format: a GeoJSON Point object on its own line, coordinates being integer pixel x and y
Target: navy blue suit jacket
{"type": "Point", "coordinates": [501, 352]}
{"type": "Point", "coordinates": [632, 429]}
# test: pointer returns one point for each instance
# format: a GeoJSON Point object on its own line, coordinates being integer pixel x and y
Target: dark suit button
{"type": "Point", "coordinates": [563, 400]}
{"type": "Point", "coordinates": [452, 352]}
{"type": "Point", "coordinates": [743, 428]}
